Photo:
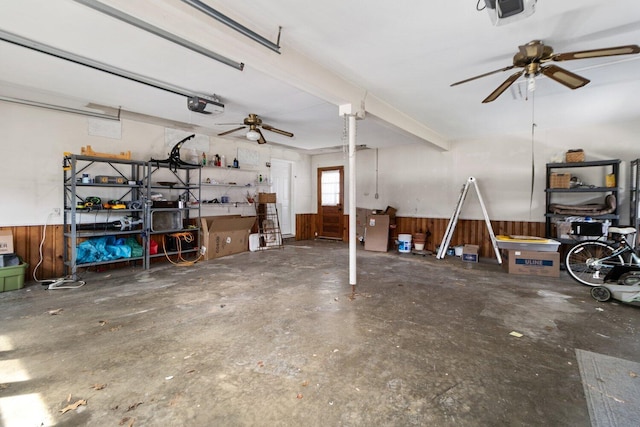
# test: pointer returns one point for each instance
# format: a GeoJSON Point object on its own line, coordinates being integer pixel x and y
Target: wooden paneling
{"type": "Point", "coordinates": [306, 226]}
{"type": "Point", "coordinates": [27, 239]}
{"type": "Point", "coordinates": [467, 231]}
{"type": "Point", "coordinates": [26, 243]}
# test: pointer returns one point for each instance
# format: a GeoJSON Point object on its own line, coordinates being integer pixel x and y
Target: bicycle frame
{"type": "Point", "coordinates": [631, 259]}
{"type": "Point", "coordinates": [590, 262]}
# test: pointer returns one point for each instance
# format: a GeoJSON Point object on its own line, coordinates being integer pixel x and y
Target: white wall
{"type": "Point", "coordinates": [34, 140]}
{"type": "Point", "coordinates": [417, 180]}
{"type": "Point", "coordinates": [423, 182]}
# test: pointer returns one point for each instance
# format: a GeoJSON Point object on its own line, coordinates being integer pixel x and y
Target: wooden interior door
{"type": "Point", "coordinates": [331, 202]}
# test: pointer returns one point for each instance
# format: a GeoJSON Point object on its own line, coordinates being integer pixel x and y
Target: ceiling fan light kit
{"type": "Point", "coordinates": [531, 57]}
{"type": "Point", "coordinates": [254, 134]}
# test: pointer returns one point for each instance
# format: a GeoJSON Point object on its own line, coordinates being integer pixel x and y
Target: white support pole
{"type": "Point", "coordinates": [352, 201]}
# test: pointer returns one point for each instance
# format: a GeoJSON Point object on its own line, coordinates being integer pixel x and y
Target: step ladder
{"type": "Point", "coordinates": [456, 214]}
{"type": "Point", "coordinates": [268, 226]}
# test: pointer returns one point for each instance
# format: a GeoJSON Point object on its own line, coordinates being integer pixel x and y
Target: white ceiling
{"type": "Point", "coordinates": [398, 58]}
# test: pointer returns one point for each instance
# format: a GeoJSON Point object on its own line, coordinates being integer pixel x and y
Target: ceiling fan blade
{"type": "Point", "coordinates": [504, 86]}
{"type": "Point", "coordinates": [231, 131]}
{"type": "Point", "coordinates": [261, 140]}
{"type": "Point", "coordinates": [565, 77]}
{"type": "Point", "coordinates": [281, 132]}
{"type": "Point", "coordinates": [596, 53]}
{"type": "Point", "coordinates": [482, 75]}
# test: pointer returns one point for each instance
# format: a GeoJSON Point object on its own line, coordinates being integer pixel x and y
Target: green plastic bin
{"type": "Point", "coordinates": [12, 278]}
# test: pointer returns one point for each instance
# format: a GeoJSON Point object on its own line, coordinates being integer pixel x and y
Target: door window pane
{"type": "Point", "coordinates": [330, 188]}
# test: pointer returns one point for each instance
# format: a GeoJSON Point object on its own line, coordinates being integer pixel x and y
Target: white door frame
{"type": "Point", "coordinates": [291, 210]}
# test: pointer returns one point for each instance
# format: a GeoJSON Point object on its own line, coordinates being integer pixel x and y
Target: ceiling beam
{"type": "Point", "coordinates": [290, 66]}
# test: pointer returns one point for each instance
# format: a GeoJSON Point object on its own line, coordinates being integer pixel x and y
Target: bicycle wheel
{"type": "Point", "coordinates": [590, 261]}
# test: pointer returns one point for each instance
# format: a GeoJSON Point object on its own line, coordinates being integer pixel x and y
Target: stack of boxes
{"type": "Point", "coordinates": [530, 255]}
{"type": "Point", "coordinates": [376, 228]}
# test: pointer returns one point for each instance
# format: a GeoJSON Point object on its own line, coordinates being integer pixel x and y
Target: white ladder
{"type": "Point", "coordinates": [454, 221]}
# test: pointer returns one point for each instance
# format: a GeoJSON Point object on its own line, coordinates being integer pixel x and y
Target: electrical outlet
{"type": "Point", "coordinates": [55, 211]}
{"type": "Point", "coordinates": [203, 250]}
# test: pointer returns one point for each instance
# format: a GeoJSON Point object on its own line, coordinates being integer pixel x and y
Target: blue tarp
{"type": "Point", "coordinates": [106, 248]}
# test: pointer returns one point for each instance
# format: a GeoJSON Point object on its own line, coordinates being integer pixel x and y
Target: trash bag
{"type": "Point", "coordinates": [136, 248]}
{"type": "Point", "coordinates": [105, 248]}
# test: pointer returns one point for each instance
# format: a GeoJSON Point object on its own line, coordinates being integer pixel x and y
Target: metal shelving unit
{"type": "Point", "coordinates": [552, 194]}
{"type": "Point", "coordinates": [634, 189]}
{"type": "Point", "coordinates": [133, 184]}
{"type": "Point", "coordinates": [85, 218]}
{"type": "Point", "coordinates": [180, 215]}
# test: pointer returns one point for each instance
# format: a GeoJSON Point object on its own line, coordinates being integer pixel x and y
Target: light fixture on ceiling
{"type": "Point", "coordinates": [253, 135]}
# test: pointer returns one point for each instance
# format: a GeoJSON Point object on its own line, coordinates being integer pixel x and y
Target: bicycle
{"type": "Point", "coordinates": [590, 261]}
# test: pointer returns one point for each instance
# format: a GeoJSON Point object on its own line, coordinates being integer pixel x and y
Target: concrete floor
{"type": "Point", "coordinates": [275, 338]}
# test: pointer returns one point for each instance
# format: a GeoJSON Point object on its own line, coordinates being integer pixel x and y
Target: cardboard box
{"type": "Point", "coordinates": [391, 211]}
{"type": "Point", "coordinates": [226, 235]}
{"type": "Point", "coordinates": [377, 233]}
{"type": "Point", "coordinates": [531, 263]}
{"type": "Point", "coordinates": [470, 253]}
{"type": "Point", "coordinates": [6, 242]}
{"type": "Point", "coordinates": [563, 230]}
{"type": "Point", "coordinates": [266, 197]}
{"type": "Point", "coordinates": [362, 215]}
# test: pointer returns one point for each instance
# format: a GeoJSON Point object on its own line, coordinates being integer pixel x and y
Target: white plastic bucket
{"type": "Point", "coordinates": [404, 243]}
{"type": "Point", "coordinates": [458, 250]}
{"type": "Point", "coordinates": [254, 242]}
{"type": "Point", "coordinates": [419, 240]}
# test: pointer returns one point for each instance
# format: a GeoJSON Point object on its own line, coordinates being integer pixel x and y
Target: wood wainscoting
{"type": "Point", "coordinates": [26, 239]}
{"type": "Point", "coordinates": [26, 244]}
{"type": "Point", "coordinates": [467, 231]}
{"type": "Point", "coordinates": [306, 226]}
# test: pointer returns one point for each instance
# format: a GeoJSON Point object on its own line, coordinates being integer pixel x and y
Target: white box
{"type": "Point", "coordinates": [254, 242]}
{"type": "Point", "coordinates": [6, 242]}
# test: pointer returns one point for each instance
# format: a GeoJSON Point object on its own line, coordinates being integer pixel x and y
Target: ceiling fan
{"type": "Point", "coordinates": [532, 55]}
{"type": "Point", "coordinates": [254, 134]}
